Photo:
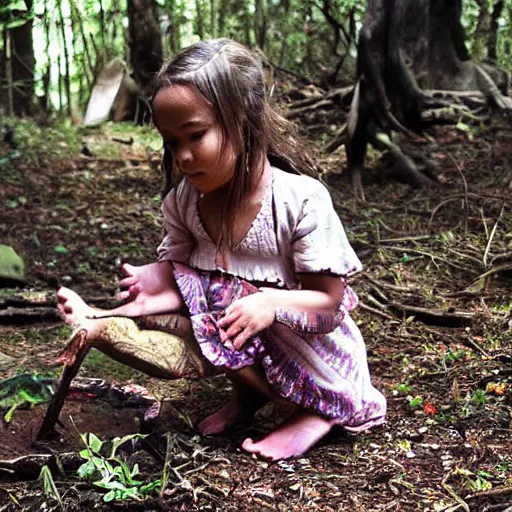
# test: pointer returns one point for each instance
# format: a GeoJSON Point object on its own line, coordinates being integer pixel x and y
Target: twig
{"type": "Point", "coordinates": [362, 305]}
{"type": "Point", "coordinates": [384, 284]}
{"type": "Point", "coordinates": [486, 229]}
{"type": "Point", "coordinates": [491, 236]}
{"type": "Point", "coordinates": [452, 493]}
{"type": "Point", "coordinates": [466, 202]}
{"type": "Point", "coordinates": [405, 239]}
{"type": "Point", "coordinates": [77, 349]}
{"type": "Point", "coordinates": [491, 492]}
{"type": "Point", "coordinates": [495, 270]}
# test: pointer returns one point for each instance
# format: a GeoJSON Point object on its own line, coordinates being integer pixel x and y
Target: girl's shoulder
{"type": "Point", "coordinates": [294, 190]}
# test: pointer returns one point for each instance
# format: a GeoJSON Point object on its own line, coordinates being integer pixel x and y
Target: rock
{"type": "Point", "coordinates": [12, 267]}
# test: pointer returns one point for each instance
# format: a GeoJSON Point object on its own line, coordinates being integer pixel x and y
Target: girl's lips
{"type": "Point", "coordinates": [193, 174]}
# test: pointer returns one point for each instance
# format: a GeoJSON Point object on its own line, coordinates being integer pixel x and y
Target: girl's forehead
{"type": "Point", "coordinates": [181, 104]}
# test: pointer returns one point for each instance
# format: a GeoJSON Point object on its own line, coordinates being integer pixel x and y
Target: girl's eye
{"type": "Point", "coordinates": [171, 144]}
{"type": "Point", "coordinates": [197, 136]}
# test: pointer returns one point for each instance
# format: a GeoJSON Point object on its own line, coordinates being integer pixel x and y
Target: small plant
{"type": "Point", "coordinates": [415, 402]}
{"type": "Point", "coordinates": [115, 474]}
{"type": "Point", "coordinates": [403, 388]}
{"type": "Point", "coordinates": [479, 397]}
{"type": "Point", "coordinates": [49, 487]}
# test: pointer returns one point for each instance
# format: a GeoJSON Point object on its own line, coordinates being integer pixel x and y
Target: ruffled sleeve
{"type": "Point", "coordinates": [319, 240]}
{"type": "Point", "coordinates": [178, 242]}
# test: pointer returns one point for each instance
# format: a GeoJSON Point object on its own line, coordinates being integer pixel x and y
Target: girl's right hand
{"type": "Point", "coordinates": [148, 280]}
{"type": "Point", "coordinates": [130, 283]}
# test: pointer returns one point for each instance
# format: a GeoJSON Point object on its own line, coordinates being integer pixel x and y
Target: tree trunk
{"type": "Point", "coordinates": [492, 40]}
{"type": "Point", "coordinates": [200, 19]}
{"type": "Point", "coordinates": [260, 22]}
{"type": "Point", "coordinates": [223, 11]}
{"type": "Point", "coordinates": [22, 54]}
{"type": "Point", "coordinates": [146, 52]}
{"type": "Point", "coordinates": [8, 72]}
{"type": "Point", "coordinates": [404, 46]}
{"type": "Point", "coordinates": [174, 28]}
{"type": "Point", "coordinates": [214, 8]}
{"type": "Point", "coordinates": [482, 32]}
{"type": "Point", "coordinates": [67, 78]}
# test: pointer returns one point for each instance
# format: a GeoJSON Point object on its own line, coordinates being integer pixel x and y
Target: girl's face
{"type": "Point", "coordinates": [192, 133]}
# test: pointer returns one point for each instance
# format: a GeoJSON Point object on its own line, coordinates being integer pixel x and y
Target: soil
{"type": "Point", "coordinates": [18, 436]}
{"type": "Point", "coordinates": [435, 314]}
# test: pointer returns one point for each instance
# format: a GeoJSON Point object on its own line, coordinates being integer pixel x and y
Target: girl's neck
{"type": "Point", "coordinates": [260, 183]}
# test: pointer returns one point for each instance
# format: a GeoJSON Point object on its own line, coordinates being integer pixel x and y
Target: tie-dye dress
{"type": "Point", "coordinates": [316, 360]}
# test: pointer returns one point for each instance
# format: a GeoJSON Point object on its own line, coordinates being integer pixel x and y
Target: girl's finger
{"type": "Point", "coordinates": [122, 295]}
{"type": "Point", "coordinates": [128, 281]}
{"type": "Point", "coordinates": [228, 319]}
{"type": "Point", "coordinates": [239, 341]}
{"type": "Point", "coordinates": [236, 328]}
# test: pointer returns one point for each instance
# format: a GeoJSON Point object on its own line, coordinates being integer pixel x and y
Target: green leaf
{"type": "Point", "coordinates": [118, 441]}
{"type": "Point", "coordinates": [405, 258]}
{"type": "Point", "coordinates": [110, 485]}
{"type": "Point", "coordinates": [109, 496]}
{"type": "Point", "coordinates": [416, 402]}
{"type": "Point", "coordinates": [11, 203]}
{"type": "Point", "coordinates": [9, 414]}
{"type": "Point", "coordinates": [87, 470]}
{"type": "Point", "coordinates": [85, 454]}
{"type": "Point", "coordinates": [60, 249]}
{"type": "Point", "coordinates": [95, 443]}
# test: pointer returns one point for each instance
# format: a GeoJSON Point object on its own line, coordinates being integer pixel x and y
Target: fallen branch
{"type": "Point", "coordinates": [434, 316]}
{"type": "Point", "coordinates": [492, 492]}
{"type": "Point", "coordinates": [72, 357]}
{"type": "Point", "coordinates": [24, 316]}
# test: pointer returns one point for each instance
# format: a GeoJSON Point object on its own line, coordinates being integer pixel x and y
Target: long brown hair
{"type": "Point", "coordinates": [230, 79]}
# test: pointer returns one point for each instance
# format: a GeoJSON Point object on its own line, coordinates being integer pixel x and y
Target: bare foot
{"type": "Point", "coordinates": [291, 439]}
{"type": "Point", "coordinates": [75, 311]}
{"type": "Point", "coordinates": [239, 408]}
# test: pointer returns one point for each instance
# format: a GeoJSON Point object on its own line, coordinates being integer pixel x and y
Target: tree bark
{"type": "Point", "coordinates": [482, 32]}
{"type": "Point", "coordinates": [22, 54]}
{"type": "Point", "coordinates": [67, 78]}
{"type": "Point", "coordinates": [404, 46]}
{"type": "Point", "coordinates": [214, 8]}
{"type": "Point", "coordinates": [492, 40]}
{"type": "Point", "coordinates": [200, 19]}
{"type": "Point", "coordinates": [146, 51]}
{"type": "Point", "coordinates": [8, 71]}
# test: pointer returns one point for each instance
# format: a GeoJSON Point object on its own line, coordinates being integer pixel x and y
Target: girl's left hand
{"type": "Point", "coordinates": [246, 317]}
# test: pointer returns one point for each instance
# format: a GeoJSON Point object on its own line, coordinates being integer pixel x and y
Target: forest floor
{"type": "Point", "coordinates": [436, 299]}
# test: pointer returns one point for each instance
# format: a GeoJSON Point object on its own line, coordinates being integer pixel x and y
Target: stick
{"type": "Point", "coordinates": [491, 236]}
{"type": "Point", "coordinates": [72, 357]}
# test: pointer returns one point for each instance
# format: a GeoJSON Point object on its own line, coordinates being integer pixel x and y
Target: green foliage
{"type": "Point", "coordinates": [415, 402]}
{"type": "Point", "coordinates": [114, 473]}
{"type": "Point", "coordinates": [14, 14]}
{"type": "Point", "coordinates": [23, 390]}
{"type": "Point", "coordinates": [49, 487]}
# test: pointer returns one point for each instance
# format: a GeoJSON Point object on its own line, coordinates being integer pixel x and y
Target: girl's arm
{"type": "Point", "coordinates": [319, 293]}
{"type": "Point", "coordinates": [254, 313]}
{"type": "Point", "coordinates": [150, 290]}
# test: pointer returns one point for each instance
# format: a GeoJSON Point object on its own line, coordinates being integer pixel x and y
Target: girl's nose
{"type": "Point", "coordinates": [184, 156]}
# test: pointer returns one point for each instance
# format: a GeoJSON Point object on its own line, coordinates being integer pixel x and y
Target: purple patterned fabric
{"type": "Point", "coordinates": [316, 360]}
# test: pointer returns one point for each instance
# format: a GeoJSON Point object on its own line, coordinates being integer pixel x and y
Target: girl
{"type": "Point", "coordinates": [257, 256]}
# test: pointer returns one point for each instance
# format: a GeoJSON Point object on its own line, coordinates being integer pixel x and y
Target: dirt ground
{"type": "Point", "coordinates": [436, 299]}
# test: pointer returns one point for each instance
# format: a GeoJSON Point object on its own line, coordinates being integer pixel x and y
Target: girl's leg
{"type": "Point", "coordinates": [168, 355]}
{"type": "Point", "coordinates": [245, 402]}
{"type": "Point", "coordinates": [295, 436]}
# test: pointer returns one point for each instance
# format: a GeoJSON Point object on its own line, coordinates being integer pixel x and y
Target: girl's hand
{"type": "Point", "coordinates": [147, 280]}
{"type": "Point", "coordinates": [245, 318]}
